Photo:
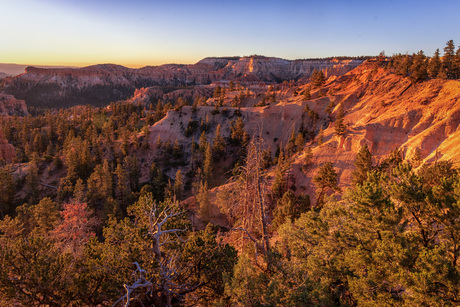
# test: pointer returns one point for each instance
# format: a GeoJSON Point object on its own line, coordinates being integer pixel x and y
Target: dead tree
{"type": "Point", "coordinates": [246, 200]}
{"type": "Point", "coordinates": [164, 289]}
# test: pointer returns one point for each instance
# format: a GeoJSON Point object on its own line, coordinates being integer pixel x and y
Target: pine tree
{"type": "Point", "coordinates": [339, 125]}
{"type": "Point", "coordinates": [178, 185]}
{"type": "Point", "coordinates": [279, 186]}
{"type": "Point", "coordinates": [203, 142]}
{"type": "Point", "coordinates": [237, 131]}
{"type": "Point", "coordinates": [320, 138]}
{"type": "Point", "coordinates": [130, 165]}
{"type": "Point", "coordinates": [32, 183]}
{"type": "Point", "coordinates": [306, 93]}
{"type": "Point", "coordinates": [217, 92]}
{"type": "Point", "coordinates": [106, 189]}
{"type": "Point", "coordinates": [290, 145]}
{"type": "Point", "coordinates": [325, 179]}
{"type": "Point", "coordinates": [122, 189]}
{"type": "Point", "coordinates": [363, 164]}
{"type": "Point", "coordinates": [456, 64]}
{"type": "Point", "coordinates": [204, 205]}
{"type": "Point", "coordinates": [447, 70]}
{"type": "Point", "coordinates": [434, 65]}
{"type": "Point", "coordinates": [7, 190]}
{"type": "Point", "coordinates": [317, 78]}
{"type": "Point", "coordinates": [403, 64]}
{"type": "Point", "coordinates": [419, 67]}
{"type": "Point", "coordinates": [218, 144]}
{"type": "Point", "coordinates": [299, 142]}
{"type": "Point", "coordinates": [79, 193]}
{"type": "Point", "coordinates": [207, 164]}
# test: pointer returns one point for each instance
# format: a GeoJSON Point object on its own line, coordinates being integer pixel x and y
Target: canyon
{"type": "Point", "coordinates": [382, 110]}
{"type": "Point", "coordinates": [105, 83]}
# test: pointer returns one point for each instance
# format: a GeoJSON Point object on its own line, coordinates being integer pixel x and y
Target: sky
{"type": "Point", "coordinates": [138, 33]}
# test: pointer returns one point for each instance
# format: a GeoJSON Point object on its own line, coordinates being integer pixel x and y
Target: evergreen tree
{"type": "Point", "coordinates": [363, 165]}
{"type": "Point", "coordinates": [204, 205]}
{"type": "Point", "coordinates": [299, 142]}
{"type": "Point", "coordinates": [178, 185]}
{"type": "Point", "coordinates": [158, 182]}
{"type": "Point", "coordinates": [32, 183]}
{"type": "Point", "coordinates": [325, 179]}
{"type": "Point", "coordinates": [130, 166]}
{"type": "Point", "coordinates": [279, 186]}
{"type": "Point", "coordinates": [122, 190]}
{"type": "Point", "coordinates": [403, 64]}
{"type": "Point", "coordinates": [434, 65]}
{"type": "Point", "coordinates": [203, 142]}
{"type": "Point", "coordinates": [339, 125]}
{"type": "Point", "coordinates": [7, 190]}
{"type": "Point", "coordinates": [419, 67]}
{"type": "Point", "coordinates": [317, 78]}
{"type": "Point", "coordinates": [447, 68]}
{"type": "Point", "coordinates": [79, 193]}
{"type": "Point", "coordinates": [320, 138]}
{"type": "Point", "coordinates": [306, 94]}
{"type": "Point", "coordinates": [456, 64]}
{"type": "Point", "coordinates": [207, 164]}
{"type": "Point", "coordinates": [218, 143]}
{"type": "Point", "coordinates": [290, 207]}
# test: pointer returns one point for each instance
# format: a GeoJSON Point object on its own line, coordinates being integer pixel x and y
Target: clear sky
{"type": "Point", "coordinates": [149, 32]}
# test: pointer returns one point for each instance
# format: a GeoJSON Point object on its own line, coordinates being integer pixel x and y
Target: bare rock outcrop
{"type": "Point", "coordinates": [7, 152]}
{"type": "Point", "coordinates": [12, 106]}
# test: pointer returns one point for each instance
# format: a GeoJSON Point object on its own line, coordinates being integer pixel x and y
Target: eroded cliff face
{"type": "Point", "coordinates": [382, 110]}
{"type": "Point", "coordinates": [7, 152]}
{"type": "Point", "coordinates": [101, 84]}
{"type": "Point", "coordinates": [12, 106]}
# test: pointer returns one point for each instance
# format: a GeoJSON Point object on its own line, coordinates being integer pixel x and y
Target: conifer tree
{"type": "Point", "coordinates": [290, 146]}
{"type": "Point", "coordinates": [434, 65]}
{"type": "Point", "coordinates": [218, 144]}
{"type": "Point", "coordinates": [32, 183]}
{"type": "Point", "coordinates": [325, 179]}
{"type": "Point", "coordinates": [447, 69]}
{"type": "Point", "coordinates": [456, 64]}
{"type": "Point", "coordinates": [339, 125]}
{"type": "Point", "coordinates": [419, 67]}
{"type": "Point", "coordinates": [306, 94]}
{"type": "Point", "coordinates": [363, 164]}
{"type": "Point", "coordinates": [7, 190]}
{"type": "Point", "coordinates": [320, 138]}
{"type": "Point", "coordinates": [279, 186]}
{"type": "Point", "coordinates": [207, 164]}
{"type": "Point", "coordinates": [130, 166]}
{"type": "Point", "coordinates": [122, 190]}
{"type": "Point", "coordinates": [178, 185]}
{"type": "Point", "coordinates": [401, 64]}
{"type": "Point", "coordinates": [299, 141]}
{"type": "Point", "coordinates": [79, 193]}
{"type": "Point", "coordinates": [158, 182]}
{"type": "Point", "coordinates": [317, 78]}
{"type": "Point", "coordinates": [203, 142]}
{"type": "Point", "coordinates": [204, 205]}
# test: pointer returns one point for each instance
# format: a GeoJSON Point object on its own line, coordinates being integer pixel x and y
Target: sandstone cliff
{"type": "Point", "coordinates": [7, 151]}
{"type": "Point", "coordinates": [382, 110]}
{"type": "Point", "coordinates": [12, 106]}
{"type": "Point", "coordinates": [101, 84]}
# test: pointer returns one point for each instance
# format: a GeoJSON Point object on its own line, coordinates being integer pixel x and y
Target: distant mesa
{"type": "Point", "coordinates": [104, 83]}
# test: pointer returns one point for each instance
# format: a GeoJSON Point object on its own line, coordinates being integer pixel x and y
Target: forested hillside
{"type": "Point", "coordinates": [332, 191]}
